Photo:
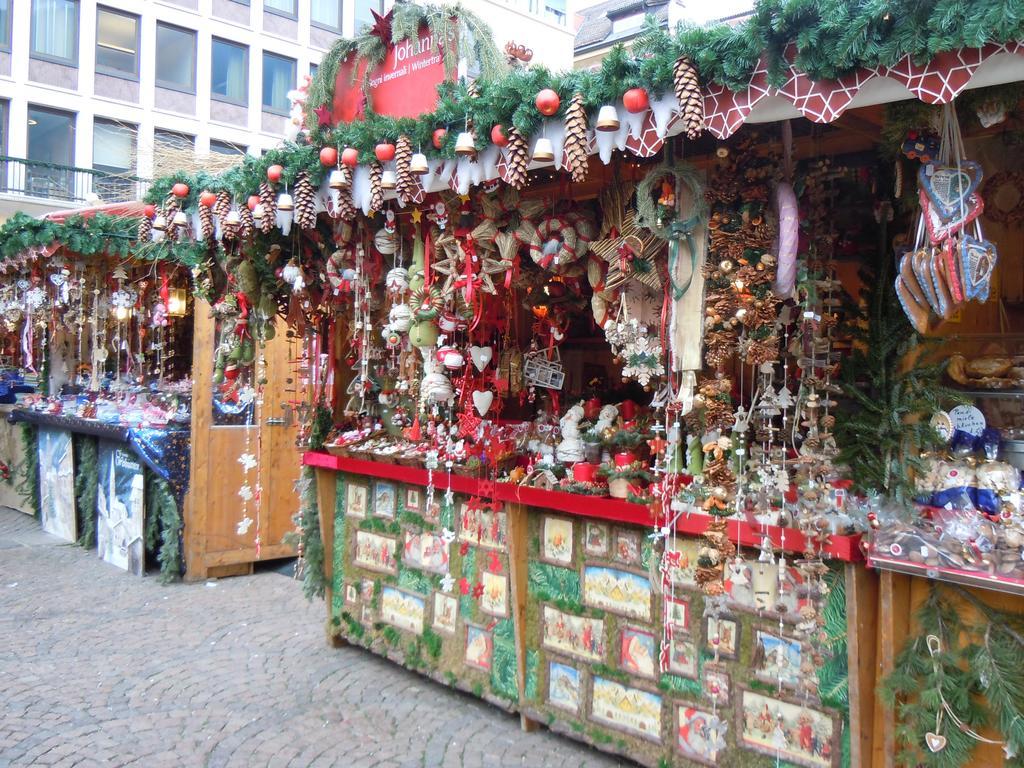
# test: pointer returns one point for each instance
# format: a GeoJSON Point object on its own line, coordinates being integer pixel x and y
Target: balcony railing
{"type": "Point", "coordinates": [63, 183]}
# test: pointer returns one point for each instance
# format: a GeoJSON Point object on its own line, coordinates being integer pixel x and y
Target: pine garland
{"type": "Point", "coordinates": [91, 236]}
{"type": "Point", "coordinates": [163, 527]}
{"type": "Point", "coordinates": [28, 475]}
{"type": "Point", "coordinates": [86, 481]}
{"type": "Point", "coordinates": [314, 582]}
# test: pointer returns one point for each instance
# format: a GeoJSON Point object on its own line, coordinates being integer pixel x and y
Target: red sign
{"type": "Point", "coordinates": [404, 85]}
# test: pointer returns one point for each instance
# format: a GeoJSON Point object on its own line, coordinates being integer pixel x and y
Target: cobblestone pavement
{"type": "Point", "coordinates": [99, 668]}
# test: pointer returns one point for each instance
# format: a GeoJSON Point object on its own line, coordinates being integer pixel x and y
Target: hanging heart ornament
{"type": "Point", "coordinates": [949, 188]}
{"type": "Point", "coordinates": [936, 741]}
{"type": "Point", "coordinates": [481, 356]}
{"type": "Point", "coordinates": [482, 401]}
{"type": "Point", "coordinates": [977, 260]}
{"type": "Point", "coordinates": [940, 229]}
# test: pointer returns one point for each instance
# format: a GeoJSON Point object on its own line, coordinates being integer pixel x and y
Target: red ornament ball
{"type": "Point", "coordinates": [252, 202]}
{"type": "Point", "coordinates": [385, 152]}
{"type": "Point", "coordinates": [636, 100]}
{"type": "Point", "coordinates": [350, 157]}
{"type": "Point", "coordinates": [498, 135]}
{"type": "Point", "coordinates": [180, 190]}
{"type": "Point", "coordinates": [274, 173]}
{"type": "Point", "coordinates": [149, 210]}
{"type": "Point", "coordinates": [439, 136]}
{"type": "Point", "coordinates": [207, 198]}
{"type": "Point", "coordinates": [548, 102]}
{"type": "Point", "coordinates": [329, 156]}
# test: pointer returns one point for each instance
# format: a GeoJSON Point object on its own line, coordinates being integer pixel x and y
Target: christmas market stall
{"type": "Point", "coordinates": [671, 405]}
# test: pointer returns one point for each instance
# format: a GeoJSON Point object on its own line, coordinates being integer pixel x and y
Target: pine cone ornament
{"type": "Point", "coordinates": [145, 229]}
{"type": "Point", "coordinates": [376, 190]}
{"type": "Point", "coordinates": [222, 205]}
{"type": "Point", "coordinates": [269, 203]}
{"type": "Point", "coordinates": [517, 157]}
{"type": "Point", "coordinates": [171, 208]}
{"type": "Point", "coordinates": [205, 223]}
{"type": "Point", "coordinates": [346, 208]}
{"type": "Point", "coordinates": [247, 224]}
{"type": "Point", "coordinates": [691, 100]}
{"type": "Point", "coordinates": [576, 138]}
{"type": "Point", "coordinates": [405, 183]}
{"type": "Point", "coordinates": [305, 202]}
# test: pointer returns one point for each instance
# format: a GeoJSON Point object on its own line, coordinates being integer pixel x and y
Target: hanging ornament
{"type": "Point", "coordinates": [329, 156]}
{"type": "Point", "coordinates": [543, 150]}
{"type": "Point", "coordinates": [285, 212]}
{"type": "Point", "coordinates": [145, 229]}
{"type": "Point", "coordinates": [206, 219]}
{"type": "Point", "coordinates": [517, 159]}
{"type": "Point", "coordinates": [385, 152]}
{"type": "Point", "coordinates": [269, 203]}
{"type": "Point", "coordinates": [686, 84]}
{"type": "Point", "coordinates": [547, 102]}
{"type": "Point", "coordinates": [274, 173]}
{"type": "Point", "coordinates": [180, 190]}
{"type": "Point", "coordinates": [350, 157]}
{"type": "Point", "coordinates": [247, 224]}
{"type": "Point", "coordinates": [465, 145]}
{"type": "Point", "coordinates": [305, 202]}
{"type": "Point", "coordinates": [607, 118]}
{"type": "Point", "coordinates": [418, 165]}
{"type": "Point", "coordinates": [405, 184]}
{"type": "Point", "coordinates": [388, 180]}
{"type": "Point", "coordinates": [438, 137]}
{"type": "Point", "coordinates": [576, 142]}
{"type": "Point", "coordinates": [636, 100]}
{"type": "Point", "coordinates": [207, 198]}
{"type": "Point", "coordinates": [498, 136]}
{"type": "Point", "coordinates": [376, 187]}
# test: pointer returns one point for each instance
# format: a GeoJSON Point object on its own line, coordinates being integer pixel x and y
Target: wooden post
{"type": "Point", "coordinates": [326, 492]}
{"type": "Point", "coordinates": [861, 607]}
{"type": "Point", "coordinates": [202, 403]}
{"type": "Point", "coordinates": [893, 624]}
{"type": "Point", "coordinates": [518, 539]}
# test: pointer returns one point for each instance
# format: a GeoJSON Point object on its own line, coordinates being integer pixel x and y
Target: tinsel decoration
{"type": "Point", "coordinates": [376, 189]}
{"type": "Point", "coordinates": [269, 203]}
{"type": "Point", "coordinates": [206, 223]}
{"type": "Point", "coordinates": [517, 157]}
{"type": "Point", "coordinates": [576, 138]}
{"type": "Point", "coordinates": [145, 229]}
{"type": "Point", "coordinates": [686, 84]}
{"type": "Point", "coordinates": [222, 205]}
{"type": "Point", "coordinates": [305, 202]}
{"type": "Point", "coordinates": [247, 224]}
{"type": "Point", "coordinates": [405, 183]}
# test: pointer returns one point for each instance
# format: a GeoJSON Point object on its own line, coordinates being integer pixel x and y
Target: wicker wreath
{"type": "Point", "coordinates": [990, 191]}
{"type": "Point", "coordinates": [649, 208]}
{"type": "Point", "coordinates": [335, 269]}
{"type": "Point", "coordinates": [554, 244]}
{"type": "Point", "coordinates": [426, 303]}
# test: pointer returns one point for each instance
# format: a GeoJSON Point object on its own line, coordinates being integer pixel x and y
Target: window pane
{"type": "Point", "coordinates": [278, 79]}
{"type": "Point", "coordinates": [5, 23]}
{"type": "Point", "coordinates": [175, 57]}
{"type": "Point", "coordinates": [285, 6]}
{"type": "Point", "coordinates": [116, 42]}
{"type": "Point", "coordinates": [326, 12]}
{"type": "Point", "coordinates": [51, 139]}
{"type": "Point", "coordinates": [165, 140]}
{"type": "Point", "coordinates": [363, 16]}
{"type": "Point", "coordinates": [3, 130]}
{"type": "Point", "coordinates": [313, 69]}
{"type": "Point", "coordinates": [230, 71]}
{"type": "Point", "coordinates": [113, 146]}
{"type": "Point", "coordinates": [55, 28]}
{"type": "Point", "coordinates": [226, 148]}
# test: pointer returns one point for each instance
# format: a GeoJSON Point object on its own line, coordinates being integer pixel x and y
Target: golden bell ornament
{"type": "Point", "coordinates": [465, 144]}
{"type": "Point", "coordinates": [607, 118]}
{"type": "Point", "coordinates": [543, 151]}
{"type": "Point", "coordinates": [418, 164]}
{"type": "Point", "coordinates": [388, 180]}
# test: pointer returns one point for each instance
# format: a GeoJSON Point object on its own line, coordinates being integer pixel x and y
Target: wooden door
{"type": "Point", "coordinates": [215, 544]}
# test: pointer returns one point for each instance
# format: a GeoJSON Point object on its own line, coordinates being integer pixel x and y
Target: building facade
{"type": "Point", "coordinates": [95, 97]}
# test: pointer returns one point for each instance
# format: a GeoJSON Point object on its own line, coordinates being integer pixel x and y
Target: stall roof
{"type": "Point", "coordinates": [135, 208]}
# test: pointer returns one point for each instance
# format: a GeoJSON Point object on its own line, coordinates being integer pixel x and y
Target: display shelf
{"type": "Point", "coordinates": [846, 548]}
{"type": "Point", "coordinates": [993, 582]}
{"type": "Point", "coordinates": [114, 432]}
{"type": "Point", "coordinates": [1003, 394]}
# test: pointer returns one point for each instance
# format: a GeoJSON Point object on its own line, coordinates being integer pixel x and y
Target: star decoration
{"type": "Point", "coordinates": [629, 255]}
{"type": "Point", "coordinates": [468, 423]}
{"type": "Point", "coordinates": [382, 26]}
{"type": "Point", "coordinates": [323, 115]}
{"type": "Point", "coordinates": [447, 583]}
{"type": "Point", "coordinates": [478, 590]}
{"type": "Point", "coordinates": [464, 585]}
{"type": "Point", "coordinates": [417, 215]}
{"type": "Point", "coordinates": [493, 562]}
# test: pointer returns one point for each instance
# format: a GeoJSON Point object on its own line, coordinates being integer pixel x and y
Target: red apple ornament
{"type": "Point", "coordinates": [252, 202]}
{"type": "Point", "coordinates": [498, 136]}
{"type": "Point", "coordinates": [385, 152]}
{"type": "Point", "coordinates": [548, 102]}
{"type": "Point", "coordinates": [350, 157]}
{"type": "Point", "coordinates": [329, 156]}
{"type": "Point", "coordinates": [149, 210]}
{"type": "Point", "coordinates": [636, 100]}
{"type": "Point", "coordinates": [180, 190]}
{"type": "Point", "coordinates": [207, 198]}
{"type": "Point", "coordinates": [274, 173]}
{"type": "Point", "coordinates": [439, 136]}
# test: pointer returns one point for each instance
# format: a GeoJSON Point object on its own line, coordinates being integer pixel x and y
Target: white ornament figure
{"type": "Point", "coordinates": [570, 450]}
{"type": "Point", "coordinates": [605, 418]}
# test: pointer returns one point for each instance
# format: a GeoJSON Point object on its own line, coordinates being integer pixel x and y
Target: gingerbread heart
{"type": "Point", "coordinates": [921, 264]}
{"type": "Point", "coordinates": [937, 269]}
{"type": "Point", "coordinates": [917, 314]}
{"type": "Point", "coordinates": [940, 229]}
{"type": "Point", "coordinates": [936, 741]}
{"type": "Point", "coordinates": [950, 187]}
{"type": "Point", "coordinates": [978, 259]}
{"type": "Point", "coordinates": [953, 271]}
{"type": "Point", "coordinates": [909, 278]}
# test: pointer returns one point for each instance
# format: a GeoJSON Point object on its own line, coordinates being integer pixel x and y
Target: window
{"type": "Point", "coordinates": [284, 7]}
{"type": "Point", "coordinates": [113, 152]}
{"type": "Point", "coordinates": [363, 16]}
{"type": "Point", "coordinates": [51, 141]}
{"type": "Point", "coordinates": [4, 112]}
{"type": "Point", "coordinates": [225, 148]}
{"type": "Point", "coordinates": [229, 72]}
{"type": "Point", "coordinates": [5, 25]}
{"type": "Point", "coordinates": [117, 43]}
{"type": "Point", "coordinates": [326, 13]}
{"type": "Point", "coordinates": [278, 79]}
{"type": "Point", "coordinates": [175, 58]}
{"type": "Point", "coordinates": [55, 30]}
{"type": "Point", "coordinates": [313, 69]}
